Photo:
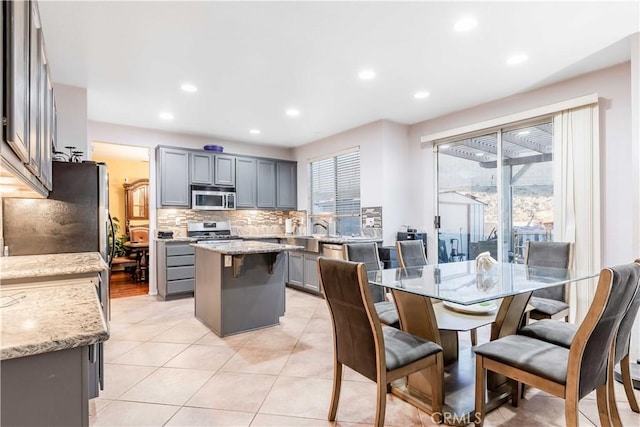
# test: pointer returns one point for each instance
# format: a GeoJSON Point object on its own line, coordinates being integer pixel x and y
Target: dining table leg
{"type": "Point", "coordinates": [417, 317]}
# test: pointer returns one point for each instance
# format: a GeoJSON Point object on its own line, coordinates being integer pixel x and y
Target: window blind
{"type": "Point", "coordinates": [334, 190]}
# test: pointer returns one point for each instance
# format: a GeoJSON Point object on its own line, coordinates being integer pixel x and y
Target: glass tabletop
{"type": "Point", "coordinates": [458, 282]}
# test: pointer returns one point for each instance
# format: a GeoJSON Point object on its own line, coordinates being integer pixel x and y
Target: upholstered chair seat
{"type": "Point", "coordinates": [562, 334]}
{"type": "Point", "coordinates": [569, 372]}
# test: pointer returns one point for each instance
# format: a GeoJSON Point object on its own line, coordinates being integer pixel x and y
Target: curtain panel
{"type": "Point", "coordinates": [576, 193]}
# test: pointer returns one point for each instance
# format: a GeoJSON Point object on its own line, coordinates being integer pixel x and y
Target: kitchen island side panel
{"type": "Point", "coordinates": [229, 303]}
{"type": "Point", "coordinates": [208, 294]}
{"type": "Point", "coordinates": [254, 299]}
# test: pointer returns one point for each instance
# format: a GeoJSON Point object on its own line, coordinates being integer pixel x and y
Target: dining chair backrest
{"type": "Point", "coordinates": [411, 253]}
{"type": "Point", "coordinates": [588, 354]}
{"type": "Point", "coordinates": [366, 253]}
{"type": "Point", "coordinates": [549, 254]}
{"type": "Point", "coordinates": [623, 337]}
{"type": "Point", "coordinates": [350, 305]}
{"type": "Point", "coordinates": [139, 234]}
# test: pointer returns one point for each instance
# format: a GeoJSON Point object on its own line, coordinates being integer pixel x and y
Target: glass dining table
{"type": "Point", "coordinates": [506, 287]}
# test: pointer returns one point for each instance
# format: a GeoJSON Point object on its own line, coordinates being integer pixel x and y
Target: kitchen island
{"type": "Point", "coordinates": [240, 285]}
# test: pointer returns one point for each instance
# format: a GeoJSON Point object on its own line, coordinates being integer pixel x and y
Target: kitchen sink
{"type": "Point", "coordinates": [310, 243]}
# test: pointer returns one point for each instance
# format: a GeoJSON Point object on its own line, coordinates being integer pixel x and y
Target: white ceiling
{"type": "Point", "coordinates": [253, 60]}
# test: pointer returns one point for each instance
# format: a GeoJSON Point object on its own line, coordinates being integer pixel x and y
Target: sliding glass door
{"type": "Point", "coordinates": [494, 192]}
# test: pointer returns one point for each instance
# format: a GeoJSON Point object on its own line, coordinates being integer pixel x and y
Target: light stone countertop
{"type": "Point", "coordinates": [42, 318]}
{"type": "Point", "coordinates": [38, 266]}
{"type": "Point", "coordinates": [247, 247]}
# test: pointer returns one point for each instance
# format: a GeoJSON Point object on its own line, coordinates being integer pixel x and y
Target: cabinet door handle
{"type": "Point", "coordinates": [93, 353]}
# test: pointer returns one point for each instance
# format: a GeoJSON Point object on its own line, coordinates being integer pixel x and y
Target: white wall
{"type": "Point", "coordinates": [383, 155]}
{"type": "Point", "coordinates": [71, 106]}
{"type": "Point", "coordinates": [397, 187]}
{"type": "Point", "coordinates": [129, 135]}
{"type": "Point", "coordinates": [613, 86]}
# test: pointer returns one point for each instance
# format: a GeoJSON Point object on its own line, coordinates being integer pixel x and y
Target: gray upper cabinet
{"type": "Point", "coordinates": [286, 185]}
{"type": "Point", "coordinates": [28, 110]}
{"type": "Point", "coordinates": [201, 168]}
{"type": "Point", "coordinates": [173, 176]}
{"type": "Point", "coordinates": [266, 183]}
{"type": "Point", "coordinates": [246, 183]}
{"type": "Point", "coordinates": [225, 171]}
{"type": "Point", "coordinates": [16, 98]}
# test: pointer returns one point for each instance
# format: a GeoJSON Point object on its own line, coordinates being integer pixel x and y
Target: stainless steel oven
{"type": "Point", "coordinates": [212, 199]}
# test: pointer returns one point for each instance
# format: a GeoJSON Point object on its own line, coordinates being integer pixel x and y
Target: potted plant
{"type": "Point", "coordinates": [120, 249]}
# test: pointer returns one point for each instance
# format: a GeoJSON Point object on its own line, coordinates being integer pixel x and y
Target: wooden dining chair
{"type": "Point", "coordinates": [139, 234]}
{"type": "Point", "coordinates": [411, 254]}
{"type": "Point", "coordinates": [367, 253]}
{"type": "Point", "coordinates": [552, 302]}
{"type": "Point", "coordinates": [570, 373]}
{"type": "Point", "coordinates": [562, 334]}
{"type": "Point", "coordinates": [381, 353]}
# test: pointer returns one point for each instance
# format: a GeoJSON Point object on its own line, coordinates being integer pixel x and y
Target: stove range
{"type": "Point", "coordinates": [211, 232]}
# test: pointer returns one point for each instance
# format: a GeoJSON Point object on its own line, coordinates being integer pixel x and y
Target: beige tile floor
{"type": "Point", "coordinates": [163, 367]}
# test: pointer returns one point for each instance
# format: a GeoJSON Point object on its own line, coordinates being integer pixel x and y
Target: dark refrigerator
{"type": "Point", "coordinates": [74, 218]}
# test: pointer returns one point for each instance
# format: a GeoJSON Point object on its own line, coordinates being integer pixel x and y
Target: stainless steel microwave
{"type": "Point", "coordinates": [213, 200]}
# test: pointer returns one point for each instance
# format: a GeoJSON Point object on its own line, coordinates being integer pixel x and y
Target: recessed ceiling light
{"type": "Point", "coordinates": [479, 154]}
{"type": "Point", "coordinates": [367, 74]}
{"type": "Point", "coordinates": [292, 112]}
{"type": "Point", "coordinates": [255, 131]}
{"type": "Point", "coordinates": [165, 115]}
{"type": "Point", "coordinates": [188, 87]}
{"type": "Point", "coordinates": [524, 132]}
{"type": "Point", "coordinates": [421, 95]}
{"type": "Point", "coordinates": [517, 59]}
{"type": "Point", "coordinates": [465, 24]}
{"type": "Point", "coordinates": [445, 146]}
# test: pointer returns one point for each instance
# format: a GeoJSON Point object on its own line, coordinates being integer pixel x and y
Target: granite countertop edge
{"type": "Point", "coordinates": [246, 248]}
{"type": "Point", "coordinates": [66, 317]}
{"type": "Point", "coordinates": [37, 266]}
{"type": "Point", "coordinates": [341, 239]}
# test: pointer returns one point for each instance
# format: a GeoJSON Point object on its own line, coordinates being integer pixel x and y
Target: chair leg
{"type": "Point", "coordinates": [515, 392]}
{"type": "Point", "coordinates": [437, 391]}
{"type": "Point", "coordinates": [335, 394]}
{"type": "Point", "coordinates": [611, 396]}
{"type": "Point", "coordinates": [571, 411]}
{"type": "Point", "coordinates": [381, 405]}
{"type": "Point", "coordinates": [480, 391]}
{"type": "Point", "coordinates": [625, 370]}
{"type": "Point", "coordinates": [474, 337]}
{"type": "Point", "coordinates": [603, 405]}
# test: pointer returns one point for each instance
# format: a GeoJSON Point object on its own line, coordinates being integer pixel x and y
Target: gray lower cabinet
{"type": "Point", "coordinates": [303, 272]}
{"type": "Point", "coordinates": [296, 269]}
{"type": "Point", "coordinates": [173, 176]}
{"type": "Point", "coordinates": [175, 268]}
{"type": "Point", "coordinates": [46, 389]}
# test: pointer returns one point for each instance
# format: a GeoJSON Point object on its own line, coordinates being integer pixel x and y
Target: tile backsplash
{"type": "Point", "coordinates": [372, 221]}
{"type": "Point", "coordinates": [242, 222]}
